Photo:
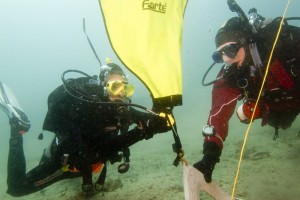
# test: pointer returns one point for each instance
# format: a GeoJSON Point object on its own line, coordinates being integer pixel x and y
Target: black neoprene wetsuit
{"type": "Point", "coordinates": [88, 132]}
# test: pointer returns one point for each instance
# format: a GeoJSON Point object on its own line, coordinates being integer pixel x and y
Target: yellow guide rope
{"type": "Point", "coordinates": [259, 95]}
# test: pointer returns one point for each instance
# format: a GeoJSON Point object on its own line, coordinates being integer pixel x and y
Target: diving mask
{"type": "Point", "coordinates": [119, 88]}
{"type": "Point", "coordinates": [229, 50]}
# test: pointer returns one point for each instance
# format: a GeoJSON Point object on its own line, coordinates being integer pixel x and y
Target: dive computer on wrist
{"type": "Point", "coordinates": [208, 130]}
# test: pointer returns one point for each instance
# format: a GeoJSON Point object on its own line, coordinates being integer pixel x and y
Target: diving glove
{"type": "Point", "coordinates": [160, 123]}
{"type": "Point", "coordinates": [212, 153]}
{"type": "Point", "coordinates": [206, 166]}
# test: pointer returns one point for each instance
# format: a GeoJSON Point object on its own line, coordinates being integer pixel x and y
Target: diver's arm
{"type": "Point", "coordinates": [224, 99]}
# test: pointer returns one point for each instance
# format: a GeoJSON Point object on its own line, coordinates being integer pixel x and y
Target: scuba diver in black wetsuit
{"type": "Point", "coordinates": [90, 119]}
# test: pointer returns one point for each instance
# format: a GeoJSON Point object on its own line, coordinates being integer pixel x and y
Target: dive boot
{"type": "Point", "coordinates": [10, 105]}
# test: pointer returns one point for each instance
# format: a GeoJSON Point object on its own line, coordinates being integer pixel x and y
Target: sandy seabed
{"type": "Point", "coordinates": [269, 169]}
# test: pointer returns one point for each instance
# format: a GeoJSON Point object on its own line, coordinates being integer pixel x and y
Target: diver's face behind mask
{"type": "Point", "coordinates": [118, 89]}
{"type": "Point", "coordinates": [230, 53]}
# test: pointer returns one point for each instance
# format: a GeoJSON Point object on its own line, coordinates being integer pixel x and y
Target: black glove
{"type": "Point", "coordinates": [211, 152]}
{"type": "Point", "coordinates": [160, 124]}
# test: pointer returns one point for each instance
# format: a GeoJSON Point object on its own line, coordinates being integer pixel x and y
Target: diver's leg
{"type": "Point", "coordinates": [16, 166]}
{"type": "Point", "coordinates": [40, 177]}
{"type": "Point", "coordinates": [19, 123]}
{"type": "Point", "coordinates": [19, 183]}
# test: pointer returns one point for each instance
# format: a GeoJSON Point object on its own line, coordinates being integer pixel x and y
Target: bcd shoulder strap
{"type": "Point", "coordinates": [287, 47]}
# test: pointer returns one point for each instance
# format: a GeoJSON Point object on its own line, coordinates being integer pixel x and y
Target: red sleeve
{"type": "Point", "coordinates": [224, 99]}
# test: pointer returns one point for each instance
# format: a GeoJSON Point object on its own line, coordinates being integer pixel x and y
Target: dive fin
{"type": "Point", "coordinates": [9, 104]}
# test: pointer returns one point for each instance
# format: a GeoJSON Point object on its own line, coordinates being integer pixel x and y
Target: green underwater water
{"type": "Point", "coordinates": [39, 40]}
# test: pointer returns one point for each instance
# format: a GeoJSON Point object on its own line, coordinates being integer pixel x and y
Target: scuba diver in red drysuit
{"type": "Point", "coordinates": [244, 47]}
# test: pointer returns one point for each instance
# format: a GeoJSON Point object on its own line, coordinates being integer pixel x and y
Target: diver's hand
{"type": "Point", "coordinates": [212, 153]}
{"type": "Point", "coordinates": [161, 123]}
{"type": "Point", "coordinates": [154, 125]}
{"type": "Point", "coordinates": [206, 166]}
